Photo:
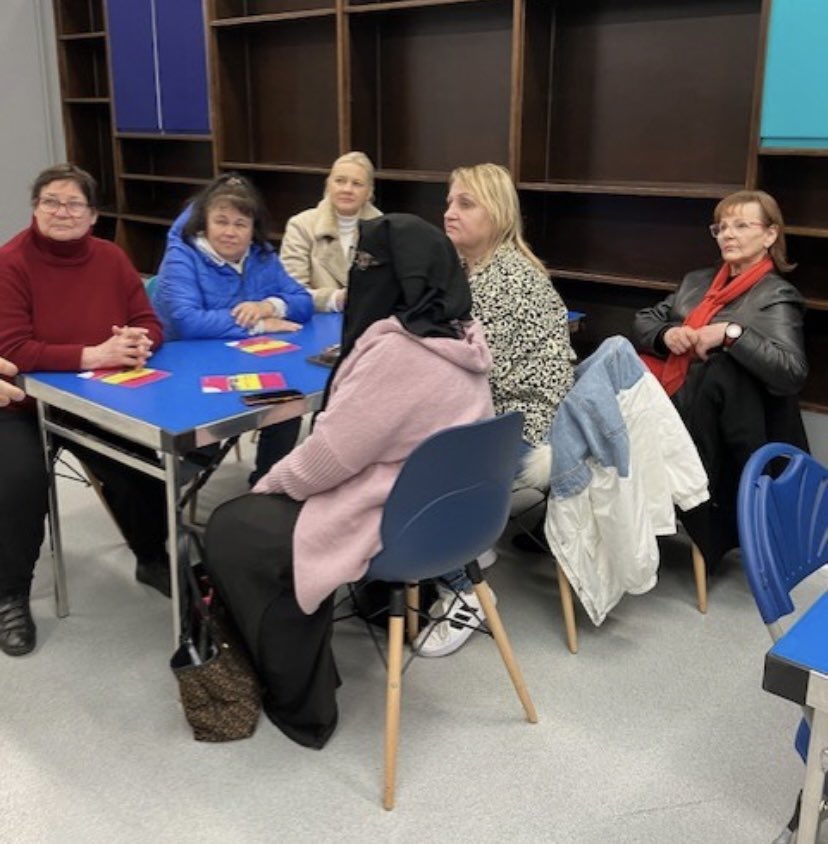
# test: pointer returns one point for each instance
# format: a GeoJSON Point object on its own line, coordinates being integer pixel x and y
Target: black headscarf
{"type": "Point", "coordinates": [407, 268]}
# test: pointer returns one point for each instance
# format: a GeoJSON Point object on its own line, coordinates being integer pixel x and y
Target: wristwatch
{"type": "Point", "coordinates": [733, 331]}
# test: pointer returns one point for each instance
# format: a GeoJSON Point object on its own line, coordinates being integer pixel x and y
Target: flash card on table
{"type": "Point", "coordinates": [242, 383]}
{"type": "Point", "coordinates": [263, 346]}
{"type": "Point", "coordinates": [126, 377]}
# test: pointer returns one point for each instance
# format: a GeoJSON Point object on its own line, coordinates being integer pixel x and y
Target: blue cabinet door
{"type": "Point", "coordinates": [132, 57]}
{"type": "Point", "coordinates": [795, 101]}
{"type": "Point", "coordinates": [182, 66]}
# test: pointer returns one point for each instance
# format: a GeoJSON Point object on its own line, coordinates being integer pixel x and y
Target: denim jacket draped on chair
{"type": "Point", "coordinates": [621, 460]}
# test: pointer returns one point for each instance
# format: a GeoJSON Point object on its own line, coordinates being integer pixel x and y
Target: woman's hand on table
{"type": "Point", "coordinates": [247, 314]}
{"type": "Point", "coordinates": [278, 324]}
{"type": "Point", "coordinates": [128, 346]}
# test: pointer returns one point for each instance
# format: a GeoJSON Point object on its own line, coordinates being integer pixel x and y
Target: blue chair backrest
{"type": "Point", "coordinates": [150, 287]}
{"type": "Point", "coordinates": [783, 525]}
{"type": "Point", "coordinates": [451, 500]}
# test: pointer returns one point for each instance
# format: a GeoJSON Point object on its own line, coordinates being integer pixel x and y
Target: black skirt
{"type": "Point", "coordinates": [249, 554]}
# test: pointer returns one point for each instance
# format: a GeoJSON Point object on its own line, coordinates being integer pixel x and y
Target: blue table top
{"type": "Point", "coordinates": [804, 648]}
{"type": "Point", "coordinates": [176, 404]}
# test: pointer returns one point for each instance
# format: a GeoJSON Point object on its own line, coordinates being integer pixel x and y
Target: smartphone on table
{"type": "Point", "coordinates": [271, 397]}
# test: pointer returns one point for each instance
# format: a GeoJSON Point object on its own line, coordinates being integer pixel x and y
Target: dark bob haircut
{"type": "Point", "coordinates": [230, 189]}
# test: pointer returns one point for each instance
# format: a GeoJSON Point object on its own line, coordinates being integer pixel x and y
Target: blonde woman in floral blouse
{"type": "Point", "coordinates": [525, 324]}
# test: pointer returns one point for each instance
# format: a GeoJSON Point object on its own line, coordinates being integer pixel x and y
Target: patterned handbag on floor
{"type": "Point", "coordinates": [220, 691]}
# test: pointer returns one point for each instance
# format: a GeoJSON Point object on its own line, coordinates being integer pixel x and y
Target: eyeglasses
{"type": "Point", "coordinates": [738, 227]}
{"type": "Point", "coordinates": [74, 207]}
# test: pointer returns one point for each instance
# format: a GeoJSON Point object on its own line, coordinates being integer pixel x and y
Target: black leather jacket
{"type": "Point", "coordinates": [771, 346]}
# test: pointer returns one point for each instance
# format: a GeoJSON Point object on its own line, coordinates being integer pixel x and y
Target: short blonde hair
{"type": "Point", "coordinates": [493, 188]}
{"type": "Point", "coordinates": [361, 160]}
{"type": "Point", "coordinates": [771, 216]}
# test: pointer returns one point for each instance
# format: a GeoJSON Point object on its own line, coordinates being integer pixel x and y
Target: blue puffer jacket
{"type": "Point", "coordinates": [194, 295]}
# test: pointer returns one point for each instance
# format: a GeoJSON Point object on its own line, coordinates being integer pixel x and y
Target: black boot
{"type": "Point", "coordinates": [17, 629]}
{"type": "Point", "coordinates": [155, 573]}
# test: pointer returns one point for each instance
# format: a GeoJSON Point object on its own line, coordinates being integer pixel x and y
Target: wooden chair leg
{"type": "Point", "coordinates": [502, 640]}
{"type": "Point", "coordinates": [392, 707]}
{"type": "Point", "coordinates": [568, 608]}
{"type": "Point", "coordinates": [412, 606]}
{"type": "Point", "coordinates": [700, 572]}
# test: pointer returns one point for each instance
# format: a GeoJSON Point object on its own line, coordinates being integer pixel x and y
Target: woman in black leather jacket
{"type": "Point", "coordinates": [728, 347]}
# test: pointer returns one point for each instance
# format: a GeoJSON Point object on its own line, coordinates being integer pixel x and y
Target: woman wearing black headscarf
{"type": "Point", "coordinates": [413, 362]}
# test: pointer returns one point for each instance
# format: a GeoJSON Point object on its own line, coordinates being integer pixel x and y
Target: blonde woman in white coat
{"type": "Point", "coordinates": [318, 245]}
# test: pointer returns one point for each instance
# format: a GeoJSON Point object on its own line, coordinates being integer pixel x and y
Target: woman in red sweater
{"type": "Point", "coordinates": [70, 302]}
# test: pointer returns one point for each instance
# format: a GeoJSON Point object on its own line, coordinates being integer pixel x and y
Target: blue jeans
{"type": "Point", "coordinates": [457, 580]}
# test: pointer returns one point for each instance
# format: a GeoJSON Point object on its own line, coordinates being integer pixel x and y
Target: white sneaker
{"type": "Point", "coordinates": [458, 616]}
{"type": "Point", "coordinates": [487, 558]}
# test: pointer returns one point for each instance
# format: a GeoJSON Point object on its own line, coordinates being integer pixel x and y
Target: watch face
{"type": "Point", "coordinates": [733, 331]}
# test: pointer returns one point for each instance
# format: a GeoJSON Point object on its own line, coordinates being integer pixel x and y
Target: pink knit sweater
{"type": "Point", "coordinates": [391, 392]}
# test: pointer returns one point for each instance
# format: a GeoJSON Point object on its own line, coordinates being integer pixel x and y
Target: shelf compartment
{"type": "Point", "coordinates": [609, 310]}
{"type": "Point", "coordinates": [74, 17]}
{"type": "Point", "coordinates": [263, 77]}
{"type": "Point", "coordinates": [187, 160]}
{"type": "Point", "coordinates": [156, 200]}
{"type": "Point", "coordinates": [794, 152]}
{"type": "Point", "coordinates": [613, 279]}
{"type": "Point", "coordinates": [105, 227]}
{"type": "Point", "coordinates": [89, 145]}
{"type": "Point", "coordinates": [84, 71]}
{"type": "Point", "coordinates": [645, 242]}
{"type": "Point", "coordinates": [254, 11]}
{"type": "Point", "coordinates": [425, 199]}
{"type": "Point", "coordinates": [595, 106]}
{"type": "Point", "coordinates": [677, 189]}
{"type": "Point", "coordinates": [413, 107]}
{"type": "Point", "coordinates": [363, 6]}
{"type": "Point", "coordinates": [144, 242]}
{"type": "Point", "coordinates": [815, 395]}
{"type": "Point", "coordinates": [274, 168]}
{"type": "Point", "coordinates": [800, 186]}
{"type": "Point", "coordinates": [286, 193]}
{"type": "Point", "coordinates": [809, 277]}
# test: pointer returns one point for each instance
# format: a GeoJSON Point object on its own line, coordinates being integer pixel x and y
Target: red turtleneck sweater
{"type": "Point", "coordinates": [57, 297]}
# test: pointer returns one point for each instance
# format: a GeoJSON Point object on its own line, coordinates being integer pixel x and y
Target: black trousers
{"type": "Point", "coordinates": [249, 555]}
{"type": "Point", "coordinates": [729, 414]}
{"type": "Point", "coordinates": [137, 501]}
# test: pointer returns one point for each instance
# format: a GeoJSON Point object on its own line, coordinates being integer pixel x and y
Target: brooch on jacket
{"type": "Point", "coordinates": [364, 260]}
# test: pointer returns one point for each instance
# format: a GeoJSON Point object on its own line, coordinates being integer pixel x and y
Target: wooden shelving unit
{"type": "Point", "coordinates": [623, 122]}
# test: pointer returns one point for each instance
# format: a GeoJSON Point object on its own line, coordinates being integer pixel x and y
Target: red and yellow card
{"type": "Point", "coordinates": [263, 346]}
{"type": "Point", "coordinates": [244, 382]}
{"type": "Point", "coordinates": [125, 377]}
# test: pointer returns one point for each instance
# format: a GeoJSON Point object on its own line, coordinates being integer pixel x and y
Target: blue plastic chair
{"type": "Point", "coordinates": [450, 503]}
{"type": "Point", "coordinates": [783, 533]}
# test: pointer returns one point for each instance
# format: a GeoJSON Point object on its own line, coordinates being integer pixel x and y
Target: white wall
{"type": "Point", "coordinates": [31, 132]}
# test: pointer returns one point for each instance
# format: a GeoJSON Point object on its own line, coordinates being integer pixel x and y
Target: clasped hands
{"type": "Point", "coordinates": [700, 341]}
{"type": "Point", "coordinates": [248, 314]}
{"type": "Point", "coordinates": [128, 346]}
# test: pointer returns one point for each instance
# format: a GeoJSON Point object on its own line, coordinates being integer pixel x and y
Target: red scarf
{"type": "Point", "coordinates": [672, 372]}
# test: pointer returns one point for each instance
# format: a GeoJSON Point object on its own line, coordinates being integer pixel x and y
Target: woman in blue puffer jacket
{"type": "Point", "coordinates": [220, 277]}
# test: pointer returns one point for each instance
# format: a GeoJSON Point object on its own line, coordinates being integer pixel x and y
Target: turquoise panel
{"type": "Point", "coordinates": [795, 101]}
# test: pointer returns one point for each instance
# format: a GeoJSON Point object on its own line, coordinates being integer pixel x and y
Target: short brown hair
{"type": "Point", "coordinates": [771, 216]}
{"type": "Point", "coordinates": [63, 173]}
{"type": "Point", "coordinates": [235, 190]}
